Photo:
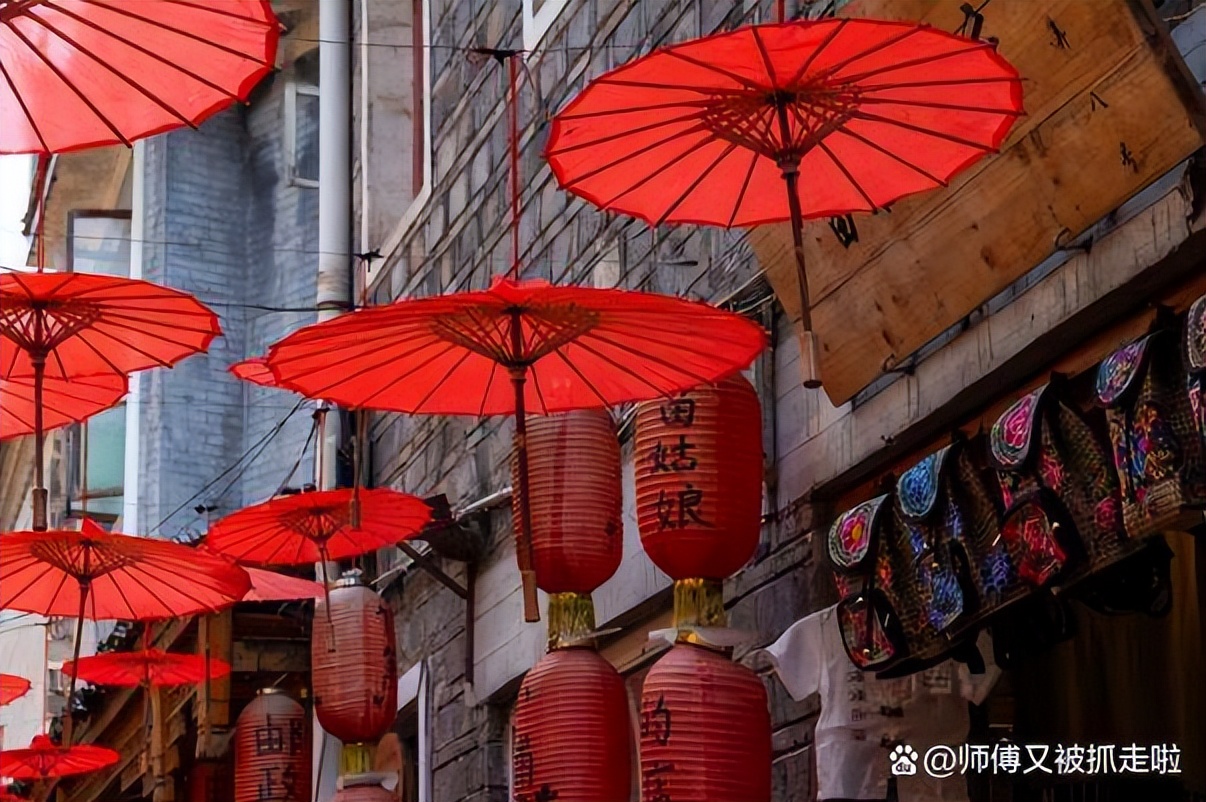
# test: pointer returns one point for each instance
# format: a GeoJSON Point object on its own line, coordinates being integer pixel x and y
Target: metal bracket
{"type": "Point", "coordinates": [427, 563]}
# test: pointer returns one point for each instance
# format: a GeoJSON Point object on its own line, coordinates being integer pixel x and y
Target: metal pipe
{"type": "Point", "coordinates": [334, 224]}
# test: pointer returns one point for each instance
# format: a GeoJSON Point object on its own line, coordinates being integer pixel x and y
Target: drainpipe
{"type": "Point", "coordinates": [334, 261]}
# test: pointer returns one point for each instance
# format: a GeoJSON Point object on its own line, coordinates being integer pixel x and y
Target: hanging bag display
{"type": "Point", "coordinates": [871, 629]}
{"type": "Point", "coordinates": [1195, 360]}
{"type": "Point", "coordinates": [953, 526]}
{"type": "Point", "coordinates": [1059, 488]}
{"type": "Point", "coordinates": [1156, 442]}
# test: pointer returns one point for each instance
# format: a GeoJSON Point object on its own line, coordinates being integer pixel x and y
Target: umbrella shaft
{"type": "Point", "coordinates": [523, 549]}
{"type": "Point", "coordinates": [40, 523]}
{"type": "Point", "coordinates": [69, 721]}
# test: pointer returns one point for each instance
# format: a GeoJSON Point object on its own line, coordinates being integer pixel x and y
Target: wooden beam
{"type": "Point", "coordinates": [164, 785]}
{"type": "Point", "coordinates": [214, 638]}
{"type": "Point", "coordinates": [272, 657]}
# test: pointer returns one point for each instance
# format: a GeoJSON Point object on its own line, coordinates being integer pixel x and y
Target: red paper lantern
{"type": "Point", "coordinates": [209, 781]}
{"type": "Point", "coordinates": [699, 480]}
{"type": "Point", "coordinates": [571, 739]}
{"type": "Point", "coordinates": [354, 663]}
{"type": "Point", "coordinates": [364, 793]}
{"type": "Point", "coordinates": [272, 750]}
{"type": "Point", "coordinates": [574, 484]}
{"type": "Point", "coordinates": [705, 730]}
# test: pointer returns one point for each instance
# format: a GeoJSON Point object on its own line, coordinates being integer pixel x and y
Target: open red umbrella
{"type": "Point", "coordinates": [519, 346]}
{"type": "Point", "coordinates": [318, 526]}
{"type": "Point", "coordinates": [271, 586]}
{"type": "Point", "coordinates": [88, 73]}
{"type": "Point", "coordinates": [68, 325]}
{"type": "Point", "coordinates": [97, 575]}
{"type": "Point", "coordinates": [12, 688]}
{"type": "Point", "coordinates": [254, 370]}
{"type": "Point", "coordinates": [785, 122]}
{"type": "Point", "coordinates": [148, 667]}
{"type": "Point", "coordinates": [44, 759]}
{"type": "Point", "coordinates": [64, 401]}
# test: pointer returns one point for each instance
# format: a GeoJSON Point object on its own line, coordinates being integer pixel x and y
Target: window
{"type": "Point", "coordinates": [538, 17]}
{"type": "Point", "coordinates": [301, 133]}
{"type": "Point", "coordinates": [98, 242]}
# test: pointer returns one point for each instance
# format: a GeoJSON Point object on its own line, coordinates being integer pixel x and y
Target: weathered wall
{"type": "Point", "coordinates": [223, 222]}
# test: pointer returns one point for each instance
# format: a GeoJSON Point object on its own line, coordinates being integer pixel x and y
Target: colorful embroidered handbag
{"type": "Point", "coordinates": [1156, 442]}
{"type": "Point", "coordinates": [872, 631]}
{"type": "Point", "coordinates": [1059, 489]}
{"type": "Point", "coordinates": [1195, 359]}
{"type": "Point", "coordinates": [949, 514]}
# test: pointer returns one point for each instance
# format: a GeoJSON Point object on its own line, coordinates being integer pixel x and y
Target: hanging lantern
{"type": "Point", "coordinates": [272, 750]}
{"type": "Point", "coordinates": [354, 669]}
{"type": "Point", "coordinates": [699, 479]}
{"type": "Point", "coordinates": [571, 739]}
{"type": "Point", "coordinates": [699, 491]}
{"type": "Point", "coordinates": [705, 730]}
{"type": "Point", "coordinates": [576, 507]}
{"type": "Point", "coordinates": [209, 781]}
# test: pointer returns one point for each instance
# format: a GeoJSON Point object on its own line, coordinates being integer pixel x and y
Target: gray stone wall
{"type": "Point", "coordinates": [224, 223]}
{"type": "Point", "coordinates": [459, 241]}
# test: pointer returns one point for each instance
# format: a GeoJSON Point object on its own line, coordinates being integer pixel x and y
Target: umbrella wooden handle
{"type": "Point", "coordinates": [531, 603]}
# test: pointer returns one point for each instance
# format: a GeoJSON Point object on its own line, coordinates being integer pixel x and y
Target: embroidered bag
{"type": "Point", "coordinates": [949, 513]}
{"type": "Point", "coordinates": [1059, 489]}
{"type": "Point", "coordinates": [871, 630]}
{"type": "Point", "coordinates": [1157, 447]}
{"type": "Point", "coordinates": [1195, 359]}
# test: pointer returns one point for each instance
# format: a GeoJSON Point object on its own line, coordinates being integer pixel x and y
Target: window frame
{"type": "Point", "coordinates": [76, 444]}
{"type": "Point", "coordinates": [537, 23]}
{"type": "Point", "coordinates": [292, 89]}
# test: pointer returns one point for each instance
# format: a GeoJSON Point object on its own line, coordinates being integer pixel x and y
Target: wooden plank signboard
{"type": "Point", "coordinates": [1108, 111]}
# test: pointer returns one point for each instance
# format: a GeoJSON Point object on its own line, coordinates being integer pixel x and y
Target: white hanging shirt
{"type": "Point", "coordinates": [863, 717]}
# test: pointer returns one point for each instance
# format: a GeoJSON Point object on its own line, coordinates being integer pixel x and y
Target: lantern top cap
{"type": "Point", "coordinates": [350, 578]}
{"type": "Point", "coordinates": [268, 691]}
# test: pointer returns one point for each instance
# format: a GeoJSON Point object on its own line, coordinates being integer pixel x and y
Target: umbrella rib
{"type": "Point", "coordinates": [590, 115]}
{"type": "Point", "coordinates": [694, 115]}
{"type": "Point", "coordinates": [915, 62]}
{"type": "Point", "coordinates": [639, 376]}
{"type": "Point", "coordinates": [766, 59]}
{"type": "Point", "coordinates": [870, 117]}
{"type": "Point", "coordinates": [650, 176]}
{"type": "Point", "coordinates": [569, 363]}
{"type": "Point", "coordinates": [438, 385]}
{"type": "Point", "coordinates": [1000, 79]}
{"type": "Point", "coordinates": [686, 193]}
{"type": "Point", "coordinates": [833, 69]}
{"type": "Point", "coordinates": [369, 348]}
{"type": "Point", "coordinates": [59, 74]}
{"type": "Point", "coordinates": [816, 52]}
{"type": "Point", "coordinates": [187, 34]}
{"type": "Point", "coordinates": [21, 101]}
{"type": "Point", "coordinates": [900, 159]}
{"type": "Point", "coordinates": [849, 177]}
{"type": "Point", "coordinates": [481, 408]}
{"type": "Point", "coordinates": [749, 175]}
{"type": "Point", "coordinates": [945, 106]}
{"type": "Point", "coordinates": [707, 91]}
{"type": "Point", "coordinates": [746, 82]}
{"type": "Point", "coordinates": [534, 377]}
{"type": "Point", "coordinates": [449, 348]}
{"type": "Point", "coordinates": [121, 75]}
{"type": "Point", "coordinates": [212, 10]}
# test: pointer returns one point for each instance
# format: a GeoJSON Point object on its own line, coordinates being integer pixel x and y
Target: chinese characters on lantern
{"type": "Point", "coordinates": [279, 783]}
{"type": "Point", "coordinates": [681, 507]}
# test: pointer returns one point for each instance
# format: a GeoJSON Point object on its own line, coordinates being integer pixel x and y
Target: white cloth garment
{"type": "Point", "coordinates": [862, 717]}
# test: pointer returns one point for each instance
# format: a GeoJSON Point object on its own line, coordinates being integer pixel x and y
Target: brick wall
{"type": "Point", "coordinates": [224, 223]}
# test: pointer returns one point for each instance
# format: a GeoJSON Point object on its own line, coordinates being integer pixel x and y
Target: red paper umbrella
{"type": "Point", "coordinates": [149, 667]}
{"type": "Point", "coordinates": [67, 325]}
{"type": "Point", "coordinates": [12, 688]}
{"type": "Point", "coordinates": [852, 114]}
{"type": "Point", "coordinates": [63, 401]}
{"type": "Point", "coordinates": [254, 370]}
{"type": "Point", "coordinates": [271, 586]}
{"type": "Point", "coordinates": [515, 347]}
{"type": "Point", "coordinates": [87, 73]}
{"type": "Point", "coordinates": [317, 526]}
{"type": "Point", "coordinates": [44, 759]}
{"type": "Point", "coordinates": [97, 575]}
{"type": "Point", "coordinates": [7, 797]}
